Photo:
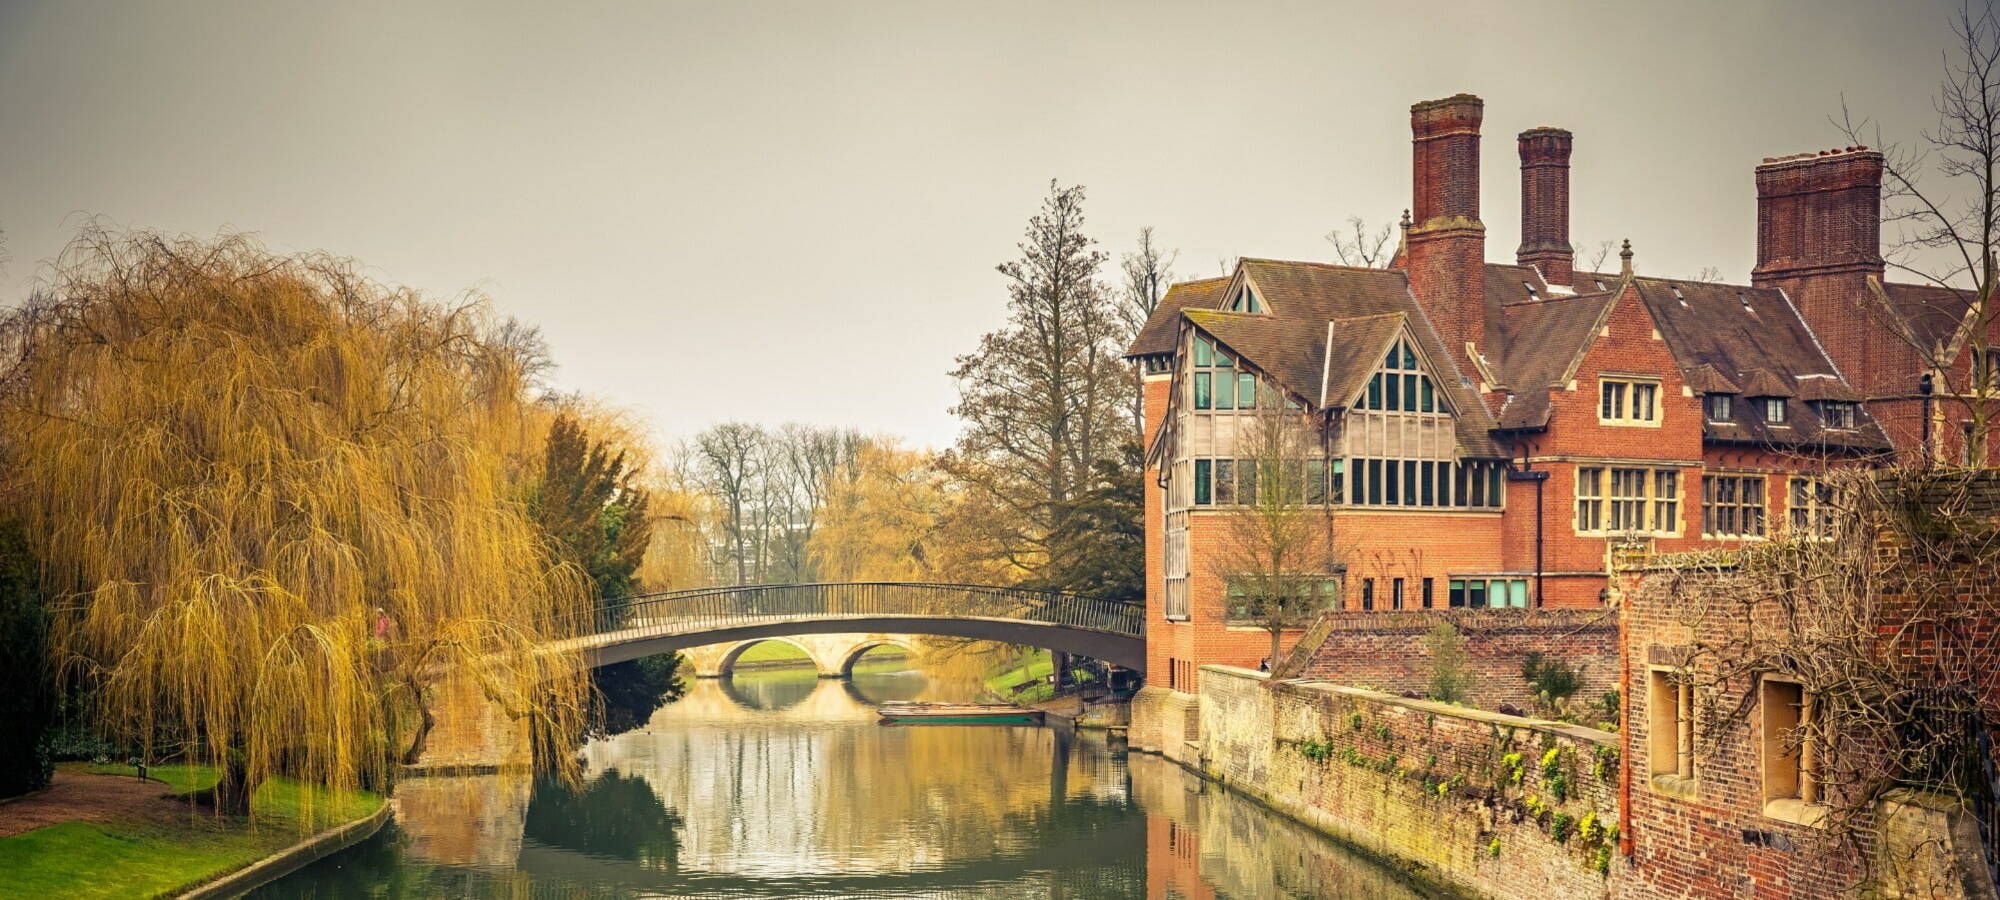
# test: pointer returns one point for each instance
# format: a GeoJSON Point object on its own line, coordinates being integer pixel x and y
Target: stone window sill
{"type": "Point", "coordinates": [1674, 786]}
{"type": "Point", "coordinates": [1796, 811]}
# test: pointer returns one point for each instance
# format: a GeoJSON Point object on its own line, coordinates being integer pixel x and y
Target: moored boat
{"type": "Point", "coordinates": [904, 712]}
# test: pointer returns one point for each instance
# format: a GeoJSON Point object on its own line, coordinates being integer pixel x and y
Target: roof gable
{"type": "Point", "coordinates": [1162, 328]}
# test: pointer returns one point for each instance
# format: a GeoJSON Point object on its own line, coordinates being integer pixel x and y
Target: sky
{"type": "Point", "coordinates": [792, 211]}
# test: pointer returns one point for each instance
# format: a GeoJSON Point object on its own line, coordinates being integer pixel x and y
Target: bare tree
{"type": "Point", "coordinates": [732, 461]}
{"type": "Point", "coordinates": [1358, 245]}
{"type": "Point", "coordinates": [1940, 194]}
{"type": "Point", "coordinates": [1148, 272]}
{"type": "Point", "coordinates": [1708, 274]}
{"type": "Point", "coordinates": [1277, 559]}
{"type": "Point", "coordinates": [1596, 256]}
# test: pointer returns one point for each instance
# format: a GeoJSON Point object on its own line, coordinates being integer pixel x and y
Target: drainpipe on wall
{"type": "Point", "coordinates": [1528, 472]}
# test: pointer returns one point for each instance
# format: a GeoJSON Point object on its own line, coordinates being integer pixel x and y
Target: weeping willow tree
{"type": "Point", "coordinates": [276, 504]}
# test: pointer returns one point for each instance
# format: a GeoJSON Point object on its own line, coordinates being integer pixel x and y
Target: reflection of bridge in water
{"type": "Point", "coordinates": [1113, 631]}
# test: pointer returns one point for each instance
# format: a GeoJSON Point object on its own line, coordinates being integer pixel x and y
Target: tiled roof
{"type": "Point", "coordinates": [1931, 313]}
{"type": "Point", "coordinates": [1755, 338]}
{"type": "Point", "coordinates": [1538, 341]}
{"type": "Point", "coordinates": [1290, 341]}
{"type": "Point", "coordinates": [1704, 379]}
{"type": "Point", "coordinates": [1766, 383]}
{"type": "Point", "coordinates": [1157, 336]}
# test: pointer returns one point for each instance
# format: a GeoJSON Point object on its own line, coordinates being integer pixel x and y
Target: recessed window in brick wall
{"type": "Point", "coordinates": [1314, 592]}
{"type": "Point", "coordinates": [1628, 401]}
{"type": "Point", "coordinates": [1732, 505]}
{"type": "Point", "coordinates": [1669, 724]}
{"type": "Point", "coordinates": [1789, 754]}
{"type": "Point", "coordinates": [1483, 592]}
{"type": "Point", "coordinates": [1809, 507]}
{"type": "Point", "coordinates": [1639, 500]}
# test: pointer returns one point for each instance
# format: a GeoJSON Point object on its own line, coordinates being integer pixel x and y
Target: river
{"type": "Point", "coordinates": [781, 784]}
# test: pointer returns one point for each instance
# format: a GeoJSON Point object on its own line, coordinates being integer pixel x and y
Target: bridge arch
{"type": "Point", "coordinates": [854, 654]}
{"type": "Point", "coordinates": [1112, 631]}
{"type": "Point", "coordinates": [726, 666]}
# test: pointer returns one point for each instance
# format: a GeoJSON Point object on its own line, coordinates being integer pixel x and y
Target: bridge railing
{"type": "Point", "coordinates": [704, 608]}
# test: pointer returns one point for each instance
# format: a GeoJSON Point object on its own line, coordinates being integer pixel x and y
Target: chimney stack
{"type": "Point", "coordinates": [1819, 238]}
{"type": "Point", "coordinates": [1446, 249]}
{"type": "Point", "coordinates": [1545, 204]}
{"type": "Point", "coordinates": [1819, 212]}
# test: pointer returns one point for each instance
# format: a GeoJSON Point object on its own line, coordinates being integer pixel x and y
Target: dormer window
{"type": "Point", "coordinates": [1246, 301]}
{"type": "Point", "coordinates": [1720, 407]}
{"type": "Point", "coordinates": [1836, 414]}
{"type": "Point", "coordinates": [1774, 410]}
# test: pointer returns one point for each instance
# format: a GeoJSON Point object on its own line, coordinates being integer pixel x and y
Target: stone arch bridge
{"type": "Point", "coordinates": [736, 617]}
{"type": "Point", "coordinates": [832, 655]}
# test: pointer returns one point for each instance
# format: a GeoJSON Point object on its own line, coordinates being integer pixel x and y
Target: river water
{"type": "Point", "coordinates": [781, 784]}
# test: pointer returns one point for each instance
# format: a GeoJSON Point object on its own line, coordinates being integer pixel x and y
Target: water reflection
{"type": "Point", "coordinates": [773, 785]}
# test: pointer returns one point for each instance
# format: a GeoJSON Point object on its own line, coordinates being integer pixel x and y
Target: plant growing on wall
{"type": "Point", "coordinates": [1449, 679]}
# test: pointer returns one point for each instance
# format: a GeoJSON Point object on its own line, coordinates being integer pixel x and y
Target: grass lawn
{"type": "Point", "coordinates": [1032, 666]}
{"type": "Point", "coordinates": [146, 858]}
{"type": "Point", "coordinates": [772, 651]}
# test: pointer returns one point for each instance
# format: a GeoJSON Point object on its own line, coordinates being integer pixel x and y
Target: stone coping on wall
{"type": "Point", "coordinates": [1565, 729]}
{"type": "Point", "coordinates": [295, 857]}
{"type": "Point", "coordinates": [1471, 620]}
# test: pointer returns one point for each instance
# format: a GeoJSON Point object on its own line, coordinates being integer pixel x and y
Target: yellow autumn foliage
{"type": "Point", "coordinates": [275, 500]}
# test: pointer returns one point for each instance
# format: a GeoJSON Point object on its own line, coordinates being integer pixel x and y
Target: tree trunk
{"type": "Point", "coordinates": [1272, 664]}
{"type": "Point", "coordinates": [425, 721]}
{"type": "Point", "coordinates": [231, 794]}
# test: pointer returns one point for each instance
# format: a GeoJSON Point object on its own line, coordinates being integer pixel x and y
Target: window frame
{"type": "Point", "coordinates": [1619, 403]}
{"type": "Point", "coordinates": [1718, 408]}
{"type": "Point", "coordinates": [1713, 505]}
{"type": "Point", "coordinates": [1670, 757]}
{"type": "Point", "coordinates": [1605, 504]}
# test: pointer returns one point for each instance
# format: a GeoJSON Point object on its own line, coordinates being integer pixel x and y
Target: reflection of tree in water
{"type": "Point", "coordinates": [877, 688]}
{"type": "Point", "coordinates": [615, 815]}
{"type": "Point", "coordinates": [770, 691]}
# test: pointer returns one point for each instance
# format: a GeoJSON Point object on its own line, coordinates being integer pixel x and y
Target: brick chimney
{"type": "Point", "coordinates": [1446, 244]}
{"type": "Point", "coordinates": [1545, 204]}
{"type": "Point", "coordinates": [1819, 237]}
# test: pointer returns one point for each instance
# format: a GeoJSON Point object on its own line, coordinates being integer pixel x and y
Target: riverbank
{"type": "Point", "coordinates": [1473, 803]}
{"type": "Point", "coordinates": [140, 844]}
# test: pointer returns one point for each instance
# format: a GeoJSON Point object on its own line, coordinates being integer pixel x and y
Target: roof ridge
{"type": "Point", "coordinates": [1319, 265]}
{"type": "Point", "coordinates": [1547, 301]}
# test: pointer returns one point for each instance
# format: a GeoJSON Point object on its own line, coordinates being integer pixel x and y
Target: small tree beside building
{"type": "Point", "coordinates": [1278, 556]}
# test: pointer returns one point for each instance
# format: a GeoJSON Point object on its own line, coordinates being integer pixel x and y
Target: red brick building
{"type": "Point", "coordinates": [1490, 429]}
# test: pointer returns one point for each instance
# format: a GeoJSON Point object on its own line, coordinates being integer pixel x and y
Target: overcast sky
{"type": "Point", "coordinates": [791, 211]}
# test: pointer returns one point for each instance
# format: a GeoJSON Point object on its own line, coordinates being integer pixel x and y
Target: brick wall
{"type": "Point", "coordinates": [1390, 652]}
{"type": "Point", "coordinates": [1716, 835]}
{"type": "Point", "coordinates": [1459, 796]}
